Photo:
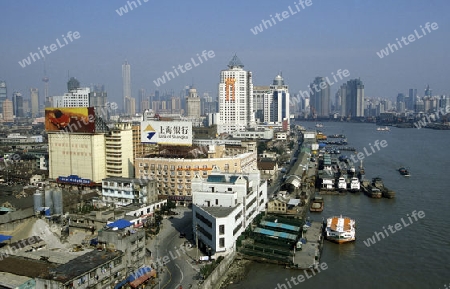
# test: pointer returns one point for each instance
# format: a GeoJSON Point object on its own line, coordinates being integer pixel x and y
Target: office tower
{"type": "Point", "coordinates": [175, 104]}
{"type": "Point", "coordinates": [126, 82]}
{"type": "Point", "coordinates": [3, 94]}
{"type": "Point", "coordinates": [78, 97]}
{"type": "Point", "coordinates": [8, 115]}
{"type": "Point", "coordinates": [17, 100]}
{"type": "Point", "coordinates": [280, 100]}
{"type": "Point", "coordinates": [235, 98]}
{"type": "Point", "coordinates": [411, 98]}
{"type": "Point", "coordinates": [401, 103]}
{"type": "Point", "coordinates": [72, 84]}
{"type": "Point", "coordinates": [261, 99]}
{"type": "Point", "coordinates": [193, 104]}
{"type": "Point", "coordinates": [141, 98]}
{"type": "Point", "coordinates": [98, 100]}
{"type": "Point", "coordinates": [319, 92]}
{"type": "Point", "coordinates": [428, 91]}
{"type": "Point", "coordinates": [34, 97]}
{"type": "Point", "coordinates": [352, 98]}
{"type": "Point", "coordinates": [120, 139]}
{"type": "Point", "coordinates": [130, 105]}
{"type": "Point", "coordinates": [337, 101]}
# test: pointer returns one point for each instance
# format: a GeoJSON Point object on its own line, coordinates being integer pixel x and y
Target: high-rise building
{"type": "Point", "coordinates": [235, 98]}
{"type": "Point", "coordinates": [3, 93]}
{"type": "Point", "coordinates": [120, 139]}
{"type": "Point", "coordinates": [126, 83]}
{"type": "Point", "coordinates": [8, 115]}
{"type": "Point", "coordinates": [34, 96]}
{"type": "Point", "coordinates": [98, 100]}
{"type": "Point", "coordinates": [130, 105]}
{"type": "Point", "coordinates": [352, 98]}
{"type": "Point", "coordinates": [17, 100]}
{"type": "Point", "coordinates": [193, 104]}
{"type": "Point", "coordinates": [141, 98]}
{"type": "Point", "coordinates": [319, 92]}
{"type": "Point", "coordinates": [428, 91]}
{"type": "Point", "coordinates": [72, 84]}
{"type": "Point", "coordinates": [78, 97]}
{"type": "Point", "coordinates": [280, 100]}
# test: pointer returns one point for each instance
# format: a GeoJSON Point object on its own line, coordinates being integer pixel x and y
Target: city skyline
{"type": "Point", "coordinates": [342, 44]}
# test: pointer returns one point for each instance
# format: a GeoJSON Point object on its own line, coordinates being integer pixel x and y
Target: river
{"type": "Point", "coordinates": [415, 256]}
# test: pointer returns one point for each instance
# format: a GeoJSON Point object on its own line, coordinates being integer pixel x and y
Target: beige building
{"type": "Point", "coordinates": [8, 114]}
{"type": "Point", "coordinates": [193, 108]}
{"type": "Point", "coordinates": [119, 151]}
{"type": "Point", "coordinates": [174, 175]}
{"type": "Point", "coordinates": [77, 154]}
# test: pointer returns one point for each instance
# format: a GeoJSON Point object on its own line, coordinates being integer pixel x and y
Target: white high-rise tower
{"type": "Point", "coordinates": [126, 80]}
{"type": "Point", "coordinates": [235, 98]}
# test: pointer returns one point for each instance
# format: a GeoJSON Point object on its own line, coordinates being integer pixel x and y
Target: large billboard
{"type": "Point", "coordinates": [70, 119]}
{"type": "Point", "coordinates": [167, 132]}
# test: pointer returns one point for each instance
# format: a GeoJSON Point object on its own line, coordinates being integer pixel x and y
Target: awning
{"type": "Point", "coordinates": [142, 279]}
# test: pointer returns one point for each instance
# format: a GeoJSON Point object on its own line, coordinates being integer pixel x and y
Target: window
{"type": "Point", "coordinates": [217, 201]}
{"type": "Point", "coordinates": [221, 229]}
{"type": "Point", "coordinates": [222, 242]}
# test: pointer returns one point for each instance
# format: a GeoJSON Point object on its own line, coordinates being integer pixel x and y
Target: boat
{"type": "Point", "coordinates": [385, 192]}
{"type": "Point", "coordinates": [317, 204]}
{"type": "Point", "coordinates": [319, 125]}
{"type": "Point", "coordinates": [342, 184]}
{"type": "Point", "coordinates": [355, 185]}
{"type": "Point", "coordinates": [404, 172]}
{"type": "Point", "coordinates": [340, 229]}
{"type": "Point", "coordinates": [371, 191]}
{"type": "Point", "coordinates": [380, 128]}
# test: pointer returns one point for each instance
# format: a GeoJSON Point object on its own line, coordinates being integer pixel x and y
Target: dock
{"type": "Point", "coordinates": [309, 256]}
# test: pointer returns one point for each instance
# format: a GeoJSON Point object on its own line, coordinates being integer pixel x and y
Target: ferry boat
{"type": "Point", "coordinates": [404, 172]}
{"type": "Point", "coordinates": [380, 128]}
{"type": "Point", "coordinates": [340, 229]}
{"type": "Point", "coordinates": [342, 184]}
{"type": "Point", "coordinates": [319, 125]}
{"type": "Point", "coordinates": [355, 185]}
{"type": "Point", "coordinates": [317, 204]}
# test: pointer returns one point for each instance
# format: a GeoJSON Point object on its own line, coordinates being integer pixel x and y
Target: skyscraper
{"type": "Point", "coordinates": [3, 94]}
{"type": "Point", "coordinates": [280, 100]}
{"type": "Point", "coordinates": [130, 105]}
{"type": "Point", "coordinates": [72, 84]}
{"type": "Point", "coordinates": [428, 91]}
{"type": "Point", "coordinates": [34, 96]}
{"type": "Point", "coordinates": [193, 104]}
{"type": "Point", "coordinates": [17, 100]}
{"type": "Point", "coordinates": [319, 91]}
{"type": "Point", "coordinates": [352, 98]}
{"type": "Point", "coordinates": [8, 115]}
{"type": "Point", "coordinates": [235, 98]}
{"type": "Point", "coordinates": [141, 98]}
{"type": "Point", "coordinates": [126, 82]}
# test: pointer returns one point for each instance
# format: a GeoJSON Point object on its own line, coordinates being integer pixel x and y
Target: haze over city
{"type": "Point", "coordinates": [155, 36]}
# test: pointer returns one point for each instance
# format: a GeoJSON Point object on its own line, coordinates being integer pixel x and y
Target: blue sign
{"type": "Point", "coordinates": [74, 179]}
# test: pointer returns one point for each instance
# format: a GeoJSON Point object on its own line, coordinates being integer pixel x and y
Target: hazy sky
{"type": "Point", "coordinates": [317, 41]}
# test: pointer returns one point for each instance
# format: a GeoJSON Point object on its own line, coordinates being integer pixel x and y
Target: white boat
{"type": "Point", "coordinates": [380, 128]}
{"type": "Point", "coordinates": [342, 184]}
{"type": "Point", "coordinates": [319, 125]}
{"type": "Point", "coordinates": [340, 229]}
{"type": "Point", "coordinates": [355, 185]}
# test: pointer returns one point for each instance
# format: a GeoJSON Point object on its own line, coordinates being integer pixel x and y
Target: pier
{"type": "Point", "coordinates": [309, 255]}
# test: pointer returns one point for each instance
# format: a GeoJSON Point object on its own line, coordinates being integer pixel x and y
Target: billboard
{"type": "Point", "coordinates": [70, 119]}
{"type": "Point", "coordinates": [74, 179]}
{"type": "Point", "coordinates": [167, 132]}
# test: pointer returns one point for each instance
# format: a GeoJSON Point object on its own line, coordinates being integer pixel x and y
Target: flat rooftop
{"type": "Point", "coordinates": [25, 267]}
{"type": "Point", "coordinates": [82, 264]}
{"type": "Point", "coordinates": [218, 212]}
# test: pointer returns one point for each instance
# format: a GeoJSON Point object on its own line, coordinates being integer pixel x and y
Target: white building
{"type": "Point", "coordinates": [224, 205]}
{"type": "Point", "coordinates": [78, 97]}
{"type": "Point", "coordinates": [254, 134]}
{"type": "Point", "coordinates": [235, 98]}
{"type": "Point", "coordinates": [125, 191]}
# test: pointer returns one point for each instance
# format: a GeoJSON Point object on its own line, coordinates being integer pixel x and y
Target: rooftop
{"type": "Point", "coordinates": [218, 212]}
{"type": "Point", "coordinates": [25, 267]}
{"type": "Point", "coordinates": [83, 264]}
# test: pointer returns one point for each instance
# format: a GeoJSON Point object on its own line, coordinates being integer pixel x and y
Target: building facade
{"type": "Point", "coordinates": [193, 107]}
{"type": "Point", "coordinates": [78, 97]}
{"type": "Point", "coordinates": [319, 95]}
{"type": "Point", "coordinates": [235, 98]}
{"type": "Point", "coordinates": [126, 191]}
{"type": "Point", "coordinates": [224, 205]}
{"type": "Point", "coordinates": [119, 151]}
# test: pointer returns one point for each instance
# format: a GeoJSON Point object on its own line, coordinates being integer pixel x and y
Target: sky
{"type": "Point", "coordinates": [154, 36]}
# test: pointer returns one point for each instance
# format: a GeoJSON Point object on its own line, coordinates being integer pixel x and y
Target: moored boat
{"type": "Point", "coordinates": [317, 204]}
{"type": "Point", "coordinates": [385, 192]}
{"type": "Point", "coordinates": [340, 229]}
{"type": "Point", "coordinates": [355, 185]}
{"type": "Point", "coordinates": [380, 128]}
{"type": "Point", "coordinates": [342, 184]}
{"type": "Point", "coordinates": [404, 172]}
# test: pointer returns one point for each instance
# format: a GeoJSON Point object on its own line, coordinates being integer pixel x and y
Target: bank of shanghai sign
{"type": "Point", "coordinates": [167, 132]}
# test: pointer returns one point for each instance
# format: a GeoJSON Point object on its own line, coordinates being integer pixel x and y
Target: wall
{"type": "Point", "coordinates": [213, 280]}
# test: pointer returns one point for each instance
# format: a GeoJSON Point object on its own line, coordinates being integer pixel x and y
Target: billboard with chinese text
{"type": "Point", "coordinates": [167, 132]}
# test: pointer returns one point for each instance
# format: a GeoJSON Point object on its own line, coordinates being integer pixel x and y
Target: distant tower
{"type": "Point", "coordinates": [193, 104]}
{"type": "Point", "coordinates": [72, 84]}
{"type": "Point", "coordinates": [34, 96]}
{"type": "Point", "coordinates": [126, 81]}
{"type": "Point", "coordinates": [3, 94]}
{"type": "Point", "coordinates": [45, 79]}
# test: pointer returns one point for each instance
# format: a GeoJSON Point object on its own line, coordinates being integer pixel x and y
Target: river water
{"type": "Point", "coordinates": [417, 255]}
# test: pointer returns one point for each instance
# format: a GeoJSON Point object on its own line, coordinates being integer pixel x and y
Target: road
{"type": "Point", "coordinates": [179, 268]}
